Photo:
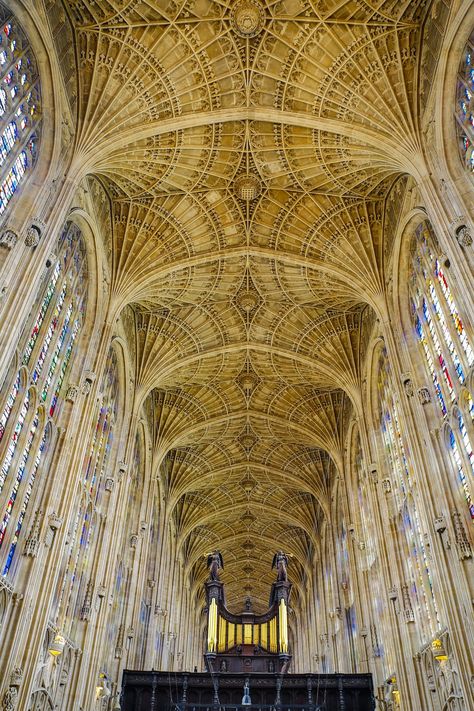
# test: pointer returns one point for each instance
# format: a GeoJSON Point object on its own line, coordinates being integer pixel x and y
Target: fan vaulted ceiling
{"type": "Point", "coordinates": [249, 148]}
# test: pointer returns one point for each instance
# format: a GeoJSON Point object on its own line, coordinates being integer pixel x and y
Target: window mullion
{"type": "Point", "coordinates": [27, 477]}
{"type": "Point", "coordinates": [441, 342]}
{"type": "Point", "coordinates": [18, 452]}
{"type": "Point", "coordinates": [449, 321]}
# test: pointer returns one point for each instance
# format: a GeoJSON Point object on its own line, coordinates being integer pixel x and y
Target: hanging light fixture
{"type": "Point", "coordinates": [102, 689]}
{"type": "Point", "coordinates": [56, 647]}
{"type": "Point", "coordinates": [439, 652]}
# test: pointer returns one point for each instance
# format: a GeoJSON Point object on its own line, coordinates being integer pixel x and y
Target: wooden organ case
{"type": "Point", "coordinates": [247, 642]}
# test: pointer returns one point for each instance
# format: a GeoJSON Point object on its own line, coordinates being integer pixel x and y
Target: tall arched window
{"type": "Point", "coordinates": [115, 626]}
{"type": "Point", "coordinates": [446, 348]}
{"type": "Point", "coordinates": [465, 105]}
{"type": "Point", "coordinates": [415, 572]}
{"type": "Point", "coordinates": [369, 558]}
{"type": "Point", "coordinates": [20, 113]}
{"type": "Point", "coordinates": [72, 602]}
{"type": "Point", "coordinates": [365, 515]}
{"type": "Point", "coordinates": [346, 587]}
{"type": "Point", "coordinates": [47, 349]}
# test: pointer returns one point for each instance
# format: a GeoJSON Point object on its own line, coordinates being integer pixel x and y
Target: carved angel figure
{"type": "Point", "coordinates": [214, 562]}
{"type": "Point", "coordinates": [280, 562]}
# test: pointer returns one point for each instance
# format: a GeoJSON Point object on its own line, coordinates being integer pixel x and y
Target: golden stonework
{"type": "Point", "coordinates": [247, 18]}
{"type": "Point", "coordinates": [247, 187]}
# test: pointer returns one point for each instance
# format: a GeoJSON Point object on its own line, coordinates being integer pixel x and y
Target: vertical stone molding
{"type": "Point", "coordinates": [408, 613]}
{"type": "Point", "coordinates": [462, 542]}
{"type": "Point", "coordinates": [33, 541]}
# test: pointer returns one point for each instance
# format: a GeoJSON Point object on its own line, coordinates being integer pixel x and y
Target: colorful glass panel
{"type": "Point", "coordinates": [20, 118]}
{"type": "Point", "coordinates": [52, 335]}
{"type": "Point", "coordinates": [465, 107]}
{"type": "Point", "coordinates": [83, 538]}
{"type": "Point", "coordinates": [399, 468]}
{"type": "Point", "coordinates": [445, 345]}
{"type": "Point", "coordinates": [430, 363]}
{"type": "Point", "coordinates": [450, 302]}
{"type": "Point", "coordinates": [103, 434]}
{"type": "Point", "coordinates": [462, 476]}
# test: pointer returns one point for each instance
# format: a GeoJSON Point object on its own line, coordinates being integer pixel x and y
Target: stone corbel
{"type": "Point", "coordinates": [408, 384]}
{"type": "Point", "coordinates": [424, 396]}
{"type": "Point", "coordinates": [34, 233]}
{"type": "Point", "coordinates": [16, 676]}
{"type": "Point", "coordinates": [463, 236]}
{"type": "Point", "coordinates": [109, 484]}
{"type": "Point", "coordinates": [72, 392]}
{"type": "Point", "coordinates": [54, 523]}
{"type": "Point", "coordinates": [89, 377]}
{"type": "Point", "coordinates": [10, 697]}
{"type": "Point", "coordinates": [50, 260]}
{"type": "Point", "coordinates": [373, 472]}
{"type": "Point", "coordinates": [122, 471]}
{"type": "Point", "coordinates": [439, 524]}
{"type": "Point", "coordinates": [8, 238]}
{"type": "Point", "coordinates": [386, 486]}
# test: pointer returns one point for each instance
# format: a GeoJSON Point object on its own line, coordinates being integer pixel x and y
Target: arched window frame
{"type": "Point", "coordinates": [445, 342]}
{"type": "Point", "coordinates": [47, 347]}
{"type": "Point", "coordinates": [124, 565]}
{"type": "Point", "coordinates": [361, 499]}
{"type": "Point", "coordinates": [77, 570]}
{"type": "Point", "coordinates": [397, 465]}
{"type": "Point", "coordinates": [20, 108]}
{"type": "Point", "coordinates": [464, 109]}
{"type": "Point", "coordinates": [454, 445]}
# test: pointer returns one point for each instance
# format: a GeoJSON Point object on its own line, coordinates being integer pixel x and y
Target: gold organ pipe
{"type": "Point", "coordinates": [283, 620]}
{"type": "Point", "coordinates": [231, 639]}
{"type": "Point", "coordinates": [222, 630]}
{"type": "Point", "coordinates": [212, 627]}
{"type": "Point", "coordinates": [273, 635]}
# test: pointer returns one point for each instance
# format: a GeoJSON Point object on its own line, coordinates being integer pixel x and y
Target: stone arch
{"type": "Point", "coordinates": [33, 25]}
{"type": "Point", "coordinates": [446, 136]}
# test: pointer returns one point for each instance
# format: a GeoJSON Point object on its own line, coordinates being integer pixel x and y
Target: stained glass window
{"type": "Point", "coordinates": [20, 107]}
{"type": "Point", "coordinates": [461, 473]}
{"type": "Point", "coordinates": [48, 346]}
{"type": "Point", "coordinates": [102, 439]}
{"type": "Point", "coordinates": [366, 517]}
{"type": "Point", "coordinates": [116, 618]}
{"type": "Point", "coordinates": [399, 470]}
{"type": "Point", "coordinates": [445, 343]}
{"type": "Point", "coordinates": [71, 597]}
{"type": "Point", "coordinates": [465, 106]}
